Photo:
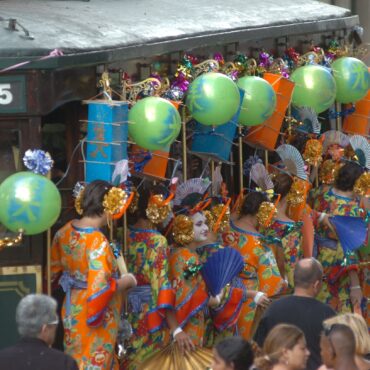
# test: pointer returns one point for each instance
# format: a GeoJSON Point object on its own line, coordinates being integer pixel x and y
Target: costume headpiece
{"type": "Point", "coordinates": [334, 144]}
{"type": "Point", "coordinates": [261, 177]}
{"type": "Point", "coordinates": [298, 192]}
{"type": "Point", "coordinates": [183, 229]}
{"type": "Point", "coordinates": [292, 160]}
{"type": "Point", "coordinates": [361, 148]}
{"type": "Point", "coordinates": [196, 185]}
{"type": "Point", "coordinates": [266, 213]}
{"type": "Point", "coordinates": [115, 201]}
{"type": "Point", "coordinates": [158, 208]}
{"type": "Point", "coordinates": [190, 196]}
{"type": "Point", "coordinates": [218, 216]}
{"type": "Point", "coordinates": [328, 171]}
{"type": "Point", "coordinates": [362, 185]}
{"type": "Point", "coordinates": [313, 152]}
{"type": "Point", "coordinates": [308, 115]}
{"type": "Point", "coordinates": [134, 205]}
{"type": "Point", "coordinates": [78, 192]}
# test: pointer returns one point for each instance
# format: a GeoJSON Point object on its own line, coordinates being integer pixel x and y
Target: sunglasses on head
{"type": "Point", "coordinates": [328, 329]}
{"type": "Point", "coordinates": [55, 322]}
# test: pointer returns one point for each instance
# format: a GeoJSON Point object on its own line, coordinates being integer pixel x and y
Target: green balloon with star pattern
{"type": "Point", "coordinates": [213, 99]}
{"type": "Point", "coordinates": [315, 87]}
{"type": "Point", "coordinates": [30, 202]}
{"type": "Point", "coordinates": [154, 123]}
{"type": "Point", "coordinates": [352, 78]}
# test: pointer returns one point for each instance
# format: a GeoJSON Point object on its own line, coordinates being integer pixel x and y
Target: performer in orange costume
{"type": "Point", "coordinates": [83, 263]}
{"type": "Point", "coordinates": [261, 272]}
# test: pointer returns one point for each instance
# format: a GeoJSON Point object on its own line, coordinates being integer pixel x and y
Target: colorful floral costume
{"type": "Point", "coordinates": [148, 255]}
{"type": "Point", "coordinates": [286, 235]}
{"type": "Point", "coordinates": [191, 293]}
{"type": "Point", "coordinates": [260, 273]}
{"type": "Point", "coordinates": [221, 321]}
{"type": "Point", "coordinates": [335, 290]}
{"type": "Point", "coordinates": [84, 261]}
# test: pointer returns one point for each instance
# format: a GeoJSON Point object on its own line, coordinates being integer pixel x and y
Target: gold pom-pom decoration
{"type": "Point", "coordinates": [210, 221]}
{"type": "Point", "coordinates": [297, 193]}
{"type": "Point", "coordinates": [114, 200]}
{"type": "Point", "coordinates": [362, 185]}
{"type": "Point", "coordinates": [266, 214]}
{"type": "Point", "coordinates": [158, 209]}
{"type": "Point", "coordinates": [328, 171]}
{"type": "Point", "coordinates": [313, 152]}
{"type": "Point", "coordinates": [134, 205]}
{"type": "Point", "coordinates": [78, 202]}
{"type": "Point", "coordinates": [221, 216]}
{"type": "Point", "coordinates": [183, 230]}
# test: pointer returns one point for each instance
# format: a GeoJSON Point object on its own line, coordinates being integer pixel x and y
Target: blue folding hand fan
{"type": "Point", "coordinates": [220, 268]}
{"type": "Point", "coordinates": [351, 231]}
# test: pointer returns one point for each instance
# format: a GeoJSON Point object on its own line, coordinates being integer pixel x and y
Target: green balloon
{"type": "Point", "coordinates": [154, 123]}
{"type": "Point", "coordinates": [213, 99]}
{"type": "Point", "coordinates": [353, 79]}
{"type": "Point", "coordinates": [314, 87]}
{"type": "Point", "coordinates": [30, 202]}
{"type": "Point", "coordinates": [259, 101]}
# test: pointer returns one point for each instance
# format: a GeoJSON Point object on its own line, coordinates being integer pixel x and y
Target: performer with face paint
{"type": "Point", "coordinates": [190, 231]}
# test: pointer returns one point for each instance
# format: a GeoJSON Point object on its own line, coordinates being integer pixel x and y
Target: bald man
{"type": "Point", "coordinates": [300, 309]}
{"type": "Point", "coordinates": [338, 348]}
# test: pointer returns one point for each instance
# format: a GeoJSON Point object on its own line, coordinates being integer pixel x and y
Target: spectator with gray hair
{"type": "Point", "coordinates": [37, 320]}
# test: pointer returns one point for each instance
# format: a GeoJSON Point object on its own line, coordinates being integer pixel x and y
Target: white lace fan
{"type": "Point", "coordinates": [308, 114]}
{"type": "Point", "coordinates": [196, 185]}
{"type": "Point", "coordinates": [335, 137]}
{"type": "Point", "coordinates": [362, 149]}
{"type": "Point", "coordinates": [260, 176]}
{"type": "Point", "coordinates": [292, 160]}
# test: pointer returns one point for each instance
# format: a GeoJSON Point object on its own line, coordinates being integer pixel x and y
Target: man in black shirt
{"type": "Point", "coordinates": [300, 309]}
{"type": "Point", "coordinates": [37, 321]}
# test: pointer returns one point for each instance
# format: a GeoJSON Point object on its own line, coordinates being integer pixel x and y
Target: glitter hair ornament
{"type": "Point", "coordinates": [362, 185]}
{"type": "Point", "coordinates": [328, 171]}
{"type": "Point", "coordinates": [115, 200]}
{"type": "Point", "coordinates": [266, 214]}
{"type": "Point", "coordinates": [183, 230]}
{"type": "Point", "coordinates": [218, 217]}
{"type": "Point", "coordinates": [158, 208]}
{"type": "Point", "coordinates": [313, 152]}
{"type": "Point", "coordinates": [77, 192]}
{"type": "Point", "coordinates": [297, 193]}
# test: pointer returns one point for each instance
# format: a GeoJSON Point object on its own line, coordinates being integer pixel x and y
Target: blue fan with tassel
{"type": "Point", "coordinates": [220, 268]}
{"type": "Point", "coordinates": [351, 231]}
